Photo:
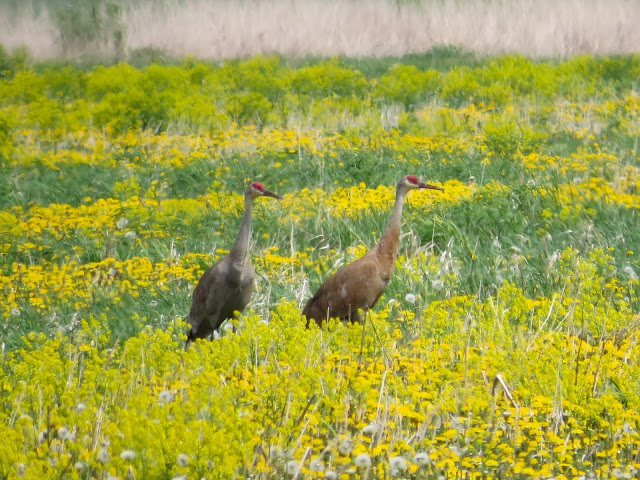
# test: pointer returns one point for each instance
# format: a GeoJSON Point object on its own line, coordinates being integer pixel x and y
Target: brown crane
{"type": "Point", "coordinates": [360, 284]}
{"type": "Point", "coordinates": [227, 286]}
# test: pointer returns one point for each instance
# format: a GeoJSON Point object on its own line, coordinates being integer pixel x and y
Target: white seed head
{"type": "Point", "coordinates": [345, 446]}
{"type": "Point", "coordinates": [421, 459]}
{"type": "Point", "coordinates": [276, 451]}
{"type": "Point", "coordinates": [103, 455]}
{"type": "Point", "coordinates": [165, 396]}
{"type": "Point", "coordinates": [122, 222]}
{"type": "Point", "coordinates": [631, 273]}
{"type": "Point", "coordinates": [370, 429]}
{"type": "Point", "coordinates": [398, 463]}
{"type": "Point", "coordinates": [183, 460]}
{"type": "Point", "coordinates": [64, 433]}
{"type": "Point", "coordinates": [330, 475]}
{"type": "Point", "coordinates": [79, 466]}
{"type": "Point", "coordinates": [410, 297]}
{"type": "Point", "coordinates": [128, 455]}
{"type": "Point", "coordinates": [130, 235]}
{"type": "Point", "coordinates": [363, 461]}
{"type": "Point", "coordinates": [316, 465]}
{"type": "Point", "coordinates": [292, 467]}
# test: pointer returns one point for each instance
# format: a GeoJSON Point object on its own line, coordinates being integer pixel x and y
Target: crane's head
{"type": "Point", "coordinates": [256, 189]}
{"type": "Point", "coordinates": [411, 182]}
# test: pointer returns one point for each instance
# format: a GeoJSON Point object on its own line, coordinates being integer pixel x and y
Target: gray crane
{"type": "Point", "coordinates": [227, 286]}
{"type": "Point", "coordinates": [360, 284]}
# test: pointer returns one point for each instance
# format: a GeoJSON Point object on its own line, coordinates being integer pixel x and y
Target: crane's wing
{"type": "Point", "coordinates": [357, 285]}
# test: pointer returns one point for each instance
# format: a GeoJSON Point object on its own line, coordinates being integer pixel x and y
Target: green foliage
{"type": "Point", "coordinates": [326, 79]}
{"type": "Point", "coordinates": [407, 85]}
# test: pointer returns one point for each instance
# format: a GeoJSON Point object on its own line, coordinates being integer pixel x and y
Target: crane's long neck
{"type": "Point", "coordinates": [240, 251]}
{"type": "Point", "coordinates": [387, 247]}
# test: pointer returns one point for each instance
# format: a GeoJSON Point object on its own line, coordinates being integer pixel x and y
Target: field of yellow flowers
{"type": "Point", "coordinates": [506, 345]}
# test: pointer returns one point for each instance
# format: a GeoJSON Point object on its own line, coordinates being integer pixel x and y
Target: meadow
{"type": "Point", "coordinates": [506, 345]}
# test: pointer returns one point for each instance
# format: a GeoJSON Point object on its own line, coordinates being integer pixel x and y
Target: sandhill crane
{"type": "Point", "coordinates": [360, 284]}
{"type": "Point", "coordinates": [227, 286]}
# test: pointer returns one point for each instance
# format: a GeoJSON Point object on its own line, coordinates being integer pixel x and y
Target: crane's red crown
{"type": "Point", "coordinates": [413, 179]}
{"type": "Point", "coordinates": [258, 186]}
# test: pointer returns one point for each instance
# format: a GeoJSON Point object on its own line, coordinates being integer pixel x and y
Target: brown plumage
{"type": "Point", "coordinates": [227, 286]}
{"type": "Point", "coordinates": [360, 284]}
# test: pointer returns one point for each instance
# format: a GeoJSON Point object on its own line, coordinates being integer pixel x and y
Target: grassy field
{"type": "Point", "coordinates": [506, 345]}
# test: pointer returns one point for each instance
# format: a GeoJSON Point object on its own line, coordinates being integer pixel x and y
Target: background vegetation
{"type": "Point", "coordinates": [117, 30]}
{"type": "Point", "coordinates": [506, 345]}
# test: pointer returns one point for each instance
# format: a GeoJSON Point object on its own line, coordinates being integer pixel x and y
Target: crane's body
{"type": "Point", "coordinates": [227, 286]}
{"type": "Point", "coordinates": [360, 284]}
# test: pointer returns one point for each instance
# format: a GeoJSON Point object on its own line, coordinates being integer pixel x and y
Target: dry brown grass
{"type": "Point", "coordinates": [231, 28]}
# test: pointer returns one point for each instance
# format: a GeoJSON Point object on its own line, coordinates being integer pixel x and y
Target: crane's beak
{"type": "Point", "coordinates": [428, 185]}
{"type": "Point", "coordinates": [267, 193]}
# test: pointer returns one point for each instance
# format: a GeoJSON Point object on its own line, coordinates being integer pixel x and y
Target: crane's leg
{"type": "Point", "coordinates": [364, 325]}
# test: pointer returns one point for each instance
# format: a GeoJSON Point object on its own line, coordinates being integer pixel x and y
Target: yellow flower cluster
{"type": "Point", "coordinates": [276, 398]}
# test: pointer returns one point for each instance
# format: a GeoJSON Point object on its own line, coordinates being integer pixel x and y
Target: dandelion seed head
{"type": "Point", "coordinates": [410, 297]}
{"type": "Point", "coordinates": [63, 433]}
{"type": "Point", "coordinates": [398, 463]}
{"type": "Point", "coordinates": [79, 466]}
{"type": "Point", "coordinates": [631, 273]}
{"type": "Point", "coordinates": [130, 235]}
{"type": "Point", "coordinates": [292, 467]}
{"type": "Point", "coordinates": [316, 465]}
{"type": "Point", "coordinates": [421, 459]}
{"type": "Point", "coordinates": [363, 460]}
{"type": "Point", "coordinates": [370, 429]}
{"type": "Point", "coordinates": [276, 451]}
{"type": "Point", "coordinates": [128, 455]}
{"type": "Point", "coordinates": [345, 446]}
{"type": "Point", "coordinates": [103, 455]}
{"type": "Point", "coordinates": [183, 459]}
{"type": "Point", "coordinates": [122, 222]}
{"type": "Point", "coordinates": [165, 396]}
{"type": "Point", "coordinates": [330, 475]}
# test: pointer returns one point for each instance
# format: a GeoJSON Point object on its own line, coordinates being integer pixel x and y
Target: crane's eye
{"type": "Point", "coordinates": [258, 186]}
{"type": "Point", "coordinates": [413, 179]}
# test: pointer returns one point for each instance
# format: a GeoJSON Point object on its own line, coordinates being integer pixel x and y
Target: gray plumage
{"type": "Point", "coordinates": [227, 286]}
